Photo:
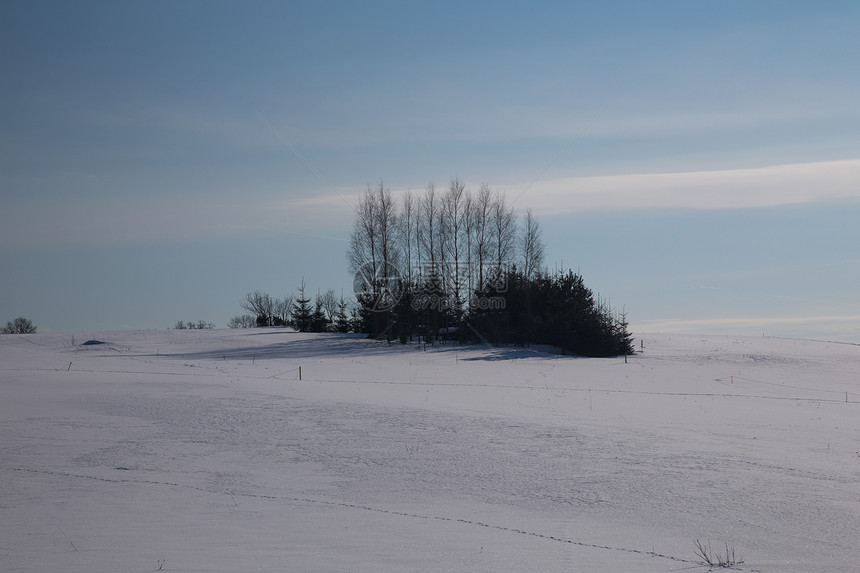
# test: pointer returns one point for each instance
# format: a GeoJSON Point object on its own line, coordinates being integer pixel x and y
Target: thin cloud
{"type": "Point", "coordinates": [29, 221]}
{"type": "Point", "coordinates": [105, 220]}
{"type": "Point", "coordinates": [729, 189]}
{"type": "Point", "coordinates": [771, 186]}
{"type": "Point", "coordinates": [789, 111]}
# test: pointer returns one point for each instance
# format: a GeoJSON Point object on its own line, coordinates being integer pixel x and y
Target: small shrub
{"type": "Point", "coordinates": [716, 559]}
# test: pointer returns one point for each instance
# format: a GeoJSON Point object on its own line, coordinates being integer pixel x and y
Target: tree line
{"type": "Point", "coordinates": [190, 325]}
{"type": "Point", "coordinates": [325, 313]}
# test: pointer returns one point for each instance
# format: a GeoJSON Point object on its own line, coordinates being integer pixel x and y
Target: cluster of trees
{"type": "Point", "coordinates": [20, 325]}
{"type": "Point", "coordinates": [456, 240]}
{"type": "Point", "coordinates": [450, 263]}
{"type": "Point", "coordinates": [555, 309]}
{"type": "Point", "coordinates": [326, 313]}
{"type": "Point", "coordinates": [199, 325]}
{"type": "Point", "coordinates": [456, 264]}
{"type": "Point", "coordinates": [264, 310]}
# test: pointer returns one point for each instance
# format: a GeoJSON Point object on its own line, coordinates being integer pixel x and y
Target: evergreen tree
{"type": "Point", "coordinates": [557, 310]}
{"type": "Point", "coordinates": [341, 319]}
{"type": "Point", "coordinates": [623, 338]}
{"type": "Point", "coordinates": [302, 314]}
{"type": "Point", "coordinates": [318, 319]}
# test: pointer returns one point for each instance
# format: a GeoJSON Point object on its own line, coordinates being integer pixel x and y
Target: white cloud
{"type": "Point", "coordinates": [728, 189]}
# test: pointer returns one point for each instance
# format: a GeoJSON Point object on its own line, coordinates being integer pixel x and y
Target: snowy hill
{"type": "Point", "coordinates": [203, 451]}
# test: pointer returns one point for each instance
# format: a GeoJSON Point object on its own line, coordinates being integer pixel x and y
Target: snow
{"type": "Point", "coordinates": [203, 451]}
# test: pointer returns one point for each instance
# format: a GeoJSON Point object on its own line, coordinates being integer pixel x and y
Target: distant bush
{"type": "Point", "coordinates": [242, 321]}
{"type": "Point", "coordinates": [20, 325]}
{"type": "Point", "coordinates": [199, 325]}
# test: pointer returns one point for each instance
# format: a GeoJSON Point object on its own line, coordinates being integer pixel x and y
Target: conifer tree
{"type": "Point", "coordinates": [302, 314]}
{"type": "Point", "coordinates": [319, 322]}
{"type": "Point", "coordinates": [341, 319]}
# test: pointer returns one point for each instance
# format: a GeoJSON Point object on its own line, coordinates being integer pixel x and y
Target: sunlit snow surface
{"type": "Point", "coordinates": [202, 451]}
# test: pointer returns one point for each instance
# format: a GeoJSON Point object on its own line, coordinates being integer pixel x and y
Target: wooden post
{"type": "Point", "coordinates": [300, 372]}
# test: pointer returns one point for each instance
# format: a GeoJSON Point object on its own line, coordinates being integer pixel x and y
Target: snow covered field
{"type": "Point", "coordinates": [202, 451]}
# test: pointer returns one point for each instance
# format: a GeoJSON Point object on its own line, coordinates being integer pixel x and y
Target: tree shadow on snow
{"type": "Point", "coordinates": [296, 346]}
{"type": "Point", "coordinates": [495, 353]}
{"type": "Point", "coordinates": [299, 345]}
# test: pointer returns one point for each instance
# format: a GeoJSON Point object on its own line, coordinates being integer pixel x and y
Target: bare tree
{"type": "Point", "coordinates": [504, 228]}
{"type": "Point", "coordinates": [481, 226]}
{"type": "Point", "coordinates": [20, 325]}
{"type": "Point", "coordinates": [261, 305]}
{"type": "Point", "coordinates": [531, 245]}
{"type": "Point", "coordinates": [373, 246]}
{"type": "Point", "coordinates": [282, 310]}
{"type": "Point", "coordinates": [453, 226]}
{"type": "Point", "coordinates": [328, 301]}
{"type": "Point", "coordinates": [242, 321]}
{"type": "Point", "coordinates": [387, 223]}
{"type": "Point", "coordinates": [408, 218]}
{"type": "Point", "coordinates": [418, 231]}
{"type": "Point", "coordinates": [429, 232]}
{"type": "Point", "coordinates": [363, 248]}
{"type": "Point", "coordinates": [469, 233]}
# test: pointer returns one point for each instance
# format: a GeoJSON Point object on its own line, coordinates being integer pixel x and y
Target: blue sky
{"type": "Point", "coordinates": [698, 162]}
